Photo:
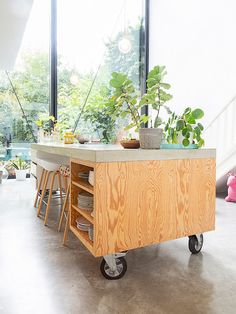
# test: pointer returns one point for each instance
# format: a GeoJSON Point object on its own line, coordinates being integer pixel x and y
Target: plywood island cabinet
{"type": "Point", "coordinates": [141, 198]}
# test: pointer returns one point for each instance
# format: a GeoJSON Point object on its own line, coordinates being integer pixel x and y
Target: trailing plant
{"type": "Point", "coordinates": [156, 94]}
{"type": "Point", "coordinates": [186, 127]}
{"type": "Point", "coordinates": [124, 101]}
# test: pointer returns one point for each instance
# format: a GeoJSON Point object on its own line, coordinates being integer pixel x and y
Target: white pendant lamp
{"type": "Point", "coordinates": [74, 79]}
{"type": "Point", "coordinates": [124, 44]}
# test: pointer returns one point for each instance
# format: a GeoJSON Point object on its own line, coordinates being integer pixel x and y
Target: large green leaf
{"type": "Point", "coordinates": [190, 119]}
{"type": "Point", "coordinates": [201, 127]}
{"type": "Point", "coordinates": [165, 85]}
{"type": "Point", "coordinates": [198, 113]}
{"type": "Point", "coordinates": [197, 130]}
{"type": "Point", "coordinates": [187, 111]}
{"type": "Point", "coordinates": [201, 143]}
{"type": "Point", "coordinates": [118, 79]}
{"type": "Point", "coordinates": [157, 122]}
{"type": "Point", "coordinates": [185, 142]}
{"type": "Point", "coordinates": [180, 125]}
{"type": "Point", "coordinates": [185, 131]}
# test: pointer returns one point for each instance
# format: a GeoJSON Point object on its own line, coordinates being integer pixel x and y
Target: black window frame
{"type": "Point", "coordinates": [144, 42]}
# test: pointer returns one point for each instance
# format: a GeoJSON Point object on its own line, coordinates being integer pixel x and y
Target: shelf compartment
{"type": "Point", "coordinates": [84, 238]}
{"type": "Point", "coordinates": [84, 185]}
{"type": "Point", "coordinates": [84, 213]}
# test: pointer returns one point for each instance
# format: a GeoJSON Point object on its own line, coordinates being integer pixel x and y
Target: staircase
{"type": "Point", "coordinates": [221, 133]}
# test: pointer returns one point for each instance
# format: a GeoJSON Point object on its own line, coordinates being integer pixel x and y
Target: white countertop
{"type": "Point", "coordinates": [114, 153]}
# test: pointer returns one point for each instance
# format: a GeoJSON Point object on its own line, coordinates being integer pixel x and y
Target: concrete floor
{"type": "Point", "coordinates": [38, 275]}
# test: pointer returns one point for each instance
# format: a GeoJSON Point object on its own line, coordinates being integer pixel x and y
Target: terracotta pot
{"type": "Point", "coordinates": [130, 144]}
{"type": "Point", "coordinates": [11, 171]}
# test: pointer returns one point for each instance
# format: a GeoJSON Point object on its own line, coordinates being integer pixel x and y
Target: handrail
{"type": "Point", "coordinates": [219, 114]}
{"type": "Point", "coordinates": [223, 138]}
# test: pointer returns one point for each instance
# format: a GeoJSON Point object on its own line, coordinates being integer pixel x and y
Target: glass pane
{"type": "Point", "coordinates": [95, 38]}
{"type": "Point", "coordinates": [30, 79]}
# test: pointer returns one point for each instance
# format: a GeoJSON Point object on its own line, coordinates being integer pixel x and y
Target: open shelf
{"type": "Point", "coordinates": [84, 237]}
{"type": "Point", "coordinates": [84, 213]}
{"type": "Point", "coordinates": [79, 185]}
{"type": "Point", "coordinates": [84, 185]}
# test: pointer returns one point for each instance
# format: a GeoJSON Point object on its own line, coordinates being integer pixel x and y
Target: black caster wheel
{"type": "Point", "coordinates": [194, 245]}
{"type": "Point", "coordinates": [108, 273]}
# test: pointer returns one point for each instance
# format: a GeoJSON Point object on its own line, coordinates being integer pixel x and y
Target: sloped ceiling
{"type": "Point", "coordinates": [13, 18]}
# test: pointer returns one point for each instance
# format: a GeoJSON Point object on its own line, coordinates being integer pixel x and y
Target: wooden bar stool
{"type": "Point", "coordinates": [50, 171]}
{"type": "Point", "coordinates": [65, 173]}
{"type": "Point", "coordinates": [39, 189]}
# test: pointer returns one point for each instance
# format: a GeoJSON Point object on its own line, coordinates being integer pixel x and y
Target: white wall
{"type": "Point", "coordinates": [13, 18]}
{"type": "Point", "coordinates": [196, 40]}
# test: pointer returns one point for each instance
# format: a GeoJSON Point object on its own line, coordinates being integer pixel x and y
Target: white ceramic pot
{"type": "Point", "coordinates": [150, 138]}
{"type": "Point", "coordinates": [21, 175]}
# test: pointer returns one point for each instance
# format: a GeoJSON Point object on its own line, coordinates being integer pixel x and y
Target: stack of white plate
{"type": "Point", "coordinates": [83, 175]}
{"type": "Point", "coordinates": [91, 177]}
{"type": "Point", "coordinates": [91, 233]}
{"type": "Point", "coordinates": [85, 201]}
{"type": "Point", "coordinates": [83, 224]}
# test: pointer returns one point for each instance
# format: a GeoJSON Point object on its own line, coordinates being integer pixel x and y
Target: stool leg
{"type": "Point", "coordinates": [39, 187]}
{"type": "Point", "coordinates": [64, 205]}
{"type": "Point", "coordinates": [60, 187]}
{"type": "Point", "coordinates": [67, 227]}
{"type": "Point", "coordinates": [49, 198]}
{"type": "Point", "coordinates": [46, 177]}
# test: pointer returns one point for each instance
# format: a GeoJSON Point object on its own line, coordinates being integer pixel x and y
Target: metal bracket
{"type": "Point", "coordinates": [198, 237]}
{"type": "Point", "coordinates": [111, 260]}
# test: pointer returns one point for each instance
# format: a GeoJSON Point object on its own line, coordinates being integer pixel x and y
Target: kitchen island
{"type": "Point", "coordinates": [141, 197]}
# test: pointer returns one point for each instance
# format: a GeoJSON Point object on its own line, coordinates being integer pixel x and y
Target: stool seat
{"type": "Point", "coordinates": [48, 165]}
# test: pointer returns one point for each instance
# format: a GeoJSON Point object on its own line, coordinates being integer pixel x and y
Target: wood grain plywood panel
{"type": "Point", "coordinates": [145, 202]}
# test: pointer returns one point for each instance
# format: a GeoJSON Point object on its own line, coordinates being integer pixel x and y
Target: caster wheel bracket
{"type": "Point", "coordinates": [114, 266]}
{"type": "Point", "coordinates": [195, 243]}
{"type": "Point", "coordinates": [111, 260]}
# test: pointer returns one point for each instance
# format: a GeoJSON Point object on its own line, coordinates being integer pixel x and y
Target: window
{"type": "Point", "coordinates": [30, 79]}
{"type": "Point", "coordinates": [95, 38]}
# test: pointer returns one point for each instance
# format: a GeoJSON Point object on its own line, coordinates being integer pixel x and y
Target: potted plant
{"type": "Point", "coordinates": [156, 96]}
{"type": "Point", "coordinates": [103, 124]}
{"type": "Point", "coordinates": [184, 131]}
{"type": "Point", "coordinates": [130, 142]}
{"type": "Point", "coordinates": [125, 103]}
{"type": "Point", "coordinates": [21, 168]}
{"type": "Point", "coordinates": [45, 125]}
